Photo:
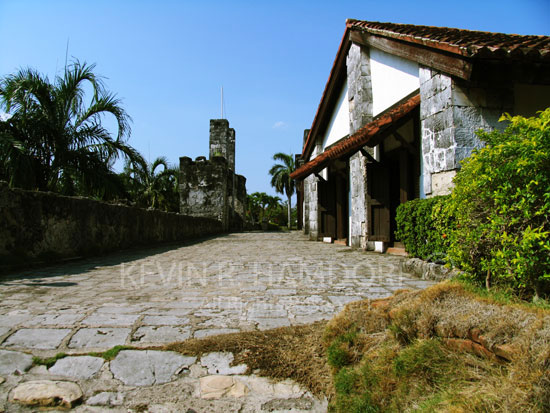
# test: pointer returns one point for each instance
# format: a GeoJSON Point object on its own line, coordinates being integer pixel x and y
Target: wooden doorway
{"type": "Point", "coordinates": [393, 179]}
{"type": "Point", "coordinates": [333, 202]}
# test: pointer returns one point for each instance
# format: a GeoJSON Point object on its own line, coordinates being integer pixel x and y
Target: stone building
{"type": "Point", "coordinates": [398, 115]}
{"type": "Point", "coordinates": [211, 188]}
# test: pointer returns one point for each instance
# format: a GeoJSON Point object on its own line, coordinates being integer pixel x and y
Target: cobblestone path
{"type": "Point", "coordinates": [235, 282]}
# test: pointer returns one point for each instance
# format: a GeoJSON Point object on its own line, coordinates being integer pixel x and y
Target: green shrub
{"type": "Point", "coordinates": [423, 225]}
{"type": "Point", "coordinates": [501, 202]}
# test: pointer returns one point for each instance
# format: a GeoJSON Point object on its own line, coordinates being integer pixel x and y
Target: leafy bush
{"type": "Point", "coordinates": [501, 202]}
{"type": "Point", "coordinates": [423, 225]}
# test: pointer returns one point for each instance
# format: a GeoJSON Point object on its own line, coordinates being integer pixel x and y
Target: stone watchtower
{"type": "Point", "coordinates": [210, 188]}
{"type": "Point", "coordinates": [222, 141]}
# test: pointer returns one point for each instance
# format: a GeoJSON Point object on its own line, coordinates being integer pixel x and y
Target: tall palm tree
{"type": "Point", "coordinates": [281, 180]}
{"type": "Point", "coordinates": [151, 187]}
{"type": "Point", "coordinates": [54, 140]}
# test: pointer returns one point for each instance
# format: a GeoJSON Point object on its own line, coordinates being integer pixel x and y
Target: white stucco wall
{"type": "Point", "coordinates": [392, 77]}
{"type": "Point", "coordinates": [338, 126]}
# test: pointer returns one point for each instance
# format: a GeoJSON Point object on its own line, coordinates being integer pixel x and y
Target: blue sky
{"type": "Point", "coordinates": [168, 60]}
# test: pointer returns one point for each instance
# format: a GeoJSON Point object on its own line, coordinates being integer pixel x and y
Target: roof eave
{"type": "Point", "coordinates": [330, 87]}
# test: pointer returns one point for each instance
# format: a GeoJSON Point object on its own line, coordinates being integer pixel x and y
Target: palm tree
{"type": "Point", "coordinates": [151, 188]}
{"type": "Point", "coordinates": [55, 141]}
{"type": "Point", "coordinates": [281, 180]}
{"type": "Point", "coordinates": [262, 205]}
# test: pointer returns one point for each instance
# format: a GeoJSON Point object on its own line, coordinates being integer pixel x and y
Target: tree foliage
{"type": "Point", "coordinates": [262, 206]}
{"type": "Point", "coordinates": [501, 202]}
{"type": "Point", "coordinates": [54, 139]}
{"type": "Point", "coordinates": [152, 185]}
{"type": "Point", "coordinates": [281, 180]}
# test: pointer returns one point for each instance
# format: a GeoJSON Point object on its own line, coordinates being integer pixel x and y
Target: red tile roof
{"type": "Point", "coordinates": [467, 43]}
{"type": "Point", "coordinates": [359, 139]}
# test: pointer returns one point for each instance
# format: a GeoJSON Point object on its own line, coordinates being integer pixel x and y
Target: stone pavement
{"type": "Point", "coordinates": [235, 282]}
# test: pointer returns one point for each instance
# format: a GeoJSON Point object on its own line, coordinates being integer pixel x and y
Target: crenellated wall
{"type": "Point", "coordinates": [210, 188]}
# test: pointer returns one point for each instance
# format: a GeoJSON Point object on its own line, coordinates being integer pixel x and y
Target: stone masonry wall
{"type": "Point", "coordinates": [451, 111]}
{"type": "Point", "coordinates": [311, 207]}
{"type": "Point", "coordinates": [359, 87]}
{"type": "Point", "coordinates": [222, 141]}
{"type": "Point", "coordinates": [360, 107]}
{"type": "Point", "coordinates": [237, 203]}
{"type": "Point", "coordinates": [204, 188]}
{"type": "Point", "coordinates": [43, 226]}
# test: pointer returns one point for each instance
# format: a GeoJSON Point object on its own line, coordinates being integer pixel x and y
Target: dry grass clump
{"type": "Point", "coordinates": [295, 352]}
{"type": "Point", "coordinates": [396, 354]}
{"type": "Point", "coordinates": [415, 351]}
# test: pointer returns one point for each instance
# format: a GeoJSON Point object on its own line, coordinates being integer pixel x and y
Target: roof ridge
{"type": "Point", "coordinates": [458, 41]}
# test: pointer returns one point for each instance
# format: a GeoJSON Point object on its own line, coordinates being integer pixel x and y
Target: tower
{"type": "Point", "coordinates": [222, 141]}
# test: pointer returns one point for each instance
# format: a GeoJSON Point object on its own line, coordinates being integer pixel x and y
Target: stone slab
{"type": "Point", "coordinates": [113, 309]}
{"type": "Point", "coordinates": [219, 363]}
{"type": "Point", "coordinates": [99, 337]}
{"type": "Point", "coordinates": [214, 332]}
{"type": "Point", "coordinates": [39, 338]}
{"type": "Point", "coordinates": [161, 334]}
{"type": "Point", "coordinates": [148, 367]}
{"type": "Point", "coordinates": [111, 320]}
{"type": "Point", "coordinates": [12, 320]}
{"type": "Point", "coordinates": [106, 398]}
{"type": "Point", "coordinates": [78, 367]}
{"type": "Point", "coordinates": [164, 320]}
{"type": "Point", "coordinates": [216, 387]}
{"type": "Point", "coordinates": [47, 393]}
{"type": "Point", "coordinates": [54, 319]}
{"type": "Point", "coordinates": [343, 299]}
{"type": "Point", "coordinates": [14, 362]}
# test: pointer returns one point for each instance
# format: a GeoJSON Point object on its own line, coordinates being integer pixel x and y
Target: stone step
{"type": "Point", "coordinates": [397, 251]}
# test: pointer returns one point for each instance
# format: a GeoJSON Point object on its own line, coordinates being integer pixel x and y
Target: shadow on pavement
{"type": "Point", "coordinates": [80, 265]}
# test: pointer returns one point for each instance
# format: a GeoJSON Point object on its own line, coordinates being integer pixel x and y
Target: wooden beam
{"type": "Point", "coordinates": [368, 155]}
{"type": "Point", "coordinates": [392, 128]}
{"type": "Point", "coordinates": [453, 65]}
{"type": "Point", "coordinates": [320, 177]}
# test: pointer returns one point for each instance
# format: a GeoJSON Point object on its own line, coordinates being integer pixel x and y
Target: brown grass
{"type": "Point", "coordinates": [471, 383]}
{"type": "Point", "coordinates": [295, 352]}
{"type": "Point", "coordinates": [384, 338]}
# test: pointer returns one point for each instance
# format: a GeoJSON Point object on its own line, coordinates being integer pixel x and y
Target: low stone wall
{"type": "Point", "coordinates": [42, 226]}
{"type": "Point", "coordinates": [428, 270]}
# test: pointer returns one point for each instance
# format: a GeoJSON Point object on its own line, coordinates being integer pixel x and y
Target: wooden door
{"type": "Point", "coordinates": [342, 213]}
{"type": "Point", "coordinates": [327, 206]}
{"type": "Point", "coordinates": [378, 188]}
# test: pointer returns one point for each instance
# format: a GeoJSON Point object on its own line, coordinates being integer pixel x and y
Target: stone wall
{"type": "Point", "coordinates": [222, 141]}
{"type": "Point", "coordinates": [204, 188]}
{"type": "Point", "coordinates": [311, 208]}
{"type": "Point", "coordinates": [360, 106]}
{"type": "Point", "coordinates": [43, 226]}
{"type": "Point", "coordinates": [359, 87]}
{"type": "Point", "coordinates": [210, 188]}
{"type": "Point", "coordinates": [451, 111]}
{"type": "Point", "coordinates": [237, 203]}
